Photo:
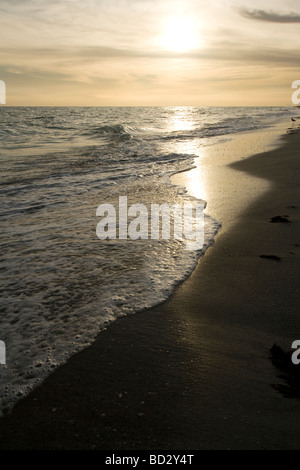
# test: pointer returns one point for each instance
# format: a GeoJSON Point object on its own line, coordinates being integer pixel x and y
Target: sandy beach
{"type": "Point", "coordinates": [195, 372]}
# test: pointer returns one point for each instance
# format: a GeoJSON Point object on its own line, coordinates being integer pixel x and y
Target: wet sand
{"type": "Point", "coordinates": [194, 372]}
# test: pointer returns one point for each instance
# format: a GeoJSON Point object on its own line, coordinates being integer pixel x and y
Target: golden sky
{"type": "Point", "coordinates": [149, 52]}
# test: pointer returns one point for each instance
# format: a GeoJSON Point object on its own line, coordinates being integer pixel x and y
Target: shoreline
{"type": "Point", "coordinates": [238, 147]}
{"type": "Point", "coordinates": [190, 373]}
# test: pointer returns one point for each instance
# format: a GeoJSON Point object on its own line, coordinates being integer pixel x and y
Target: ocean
{"type": "Point", "coordinates": [60, 284]}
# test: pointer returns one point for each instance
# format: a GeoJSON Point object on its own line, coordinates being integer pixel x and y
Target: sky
{"type": "Point", "coordinates": [149, 52]}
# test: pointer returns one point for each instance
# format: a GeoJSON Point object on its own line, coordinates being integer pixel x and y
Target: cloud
{"type": "Point", "coordinates": [270, 16]}
{"type": "Point", "coordinates": [233, 52]}
{"type": "Point", "coordinates": [85, 64]}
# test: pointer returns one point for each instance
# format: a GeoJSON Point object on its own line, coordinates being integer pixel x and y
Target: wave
{"type": "Point", "coordinates": [116, 130]}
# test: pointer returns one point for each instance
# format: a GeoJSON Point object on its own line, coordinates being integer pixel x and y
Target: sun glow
{"type": "Point", "coordinates": [180, 34]}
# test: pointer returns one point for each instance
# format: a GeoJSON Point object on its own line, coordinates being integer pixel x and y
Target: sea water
{"type": "Point", "coordinates": [60, 284]}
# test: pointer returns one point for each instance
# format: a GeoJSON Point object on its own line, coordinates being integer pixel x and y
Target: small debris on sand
{"type": "Point", "coordinates": [274, 257]}
{"type": "Point", "coordinates": [290, 372]}
{"type": "Point", "coordinates": [278, 219]}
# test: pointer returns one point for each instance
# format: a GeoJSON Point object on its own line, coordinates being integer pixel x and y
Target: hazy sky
{"type": "Point", "coordinates": [149, 52]}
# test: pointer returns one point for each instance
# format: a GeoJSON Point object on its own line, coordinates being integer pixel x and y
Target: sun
{"type": "Point", "coordinates": [179, 34]}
